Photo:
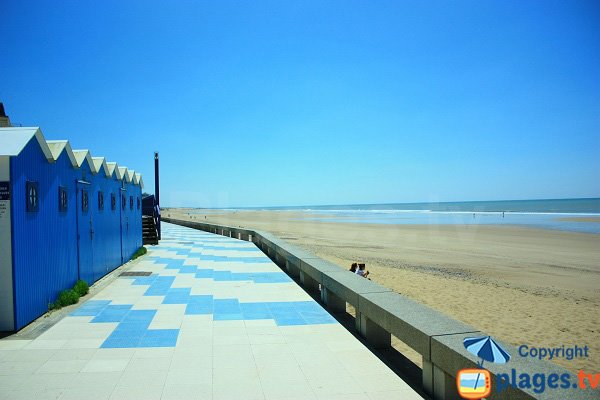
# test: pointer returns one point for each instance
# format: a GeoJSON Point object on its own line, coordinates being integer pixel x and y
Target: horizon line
{"type": "Point", "coordinates": [388, 203]}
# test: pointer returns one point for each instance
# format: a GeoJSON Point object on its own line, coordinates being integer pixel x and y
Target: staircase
{"type": "Point", "coordinates": [149, 234]}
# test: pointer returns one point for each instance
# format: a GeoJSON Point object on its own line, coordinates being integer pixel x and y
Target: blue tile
{"type": "Point", "coordinates": [110, 316]}
{"type": "Point", "coordinates": [188, 269]}
{"type": "Point", "coordinates": [289, 321]}
{"type": "Point", "coordinates": [90, 308]}
{"type": "Point", "coordinates": [120, 343]}
{"type": "Point", "coordinates": [198, 309]}
{"type": "Point", "coordinates": [201, 299]}
{"type": "Point", "coordinates": [227, 316]}
{"type": "Point", "coordinates": [140, 316]}
{"type": "Point", "coordinates": [132, 328]}
{"type": "Point", "coordinates": [222, 275]}
{"type": "Point", "coordinates": [160, 338]}
{"type": "Point", "coordinates": [177, 296]}
{"type": "Point", "coordinates": [252, 315]}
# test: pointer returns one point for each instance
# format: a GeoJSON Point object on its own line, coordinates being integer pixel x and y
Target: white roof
{"type": "Point", "coordinates": [113, 167]}
{"type": "Point", "coordinates": [84, 155]}
{"type": "Point", "coordinates": [124, 174]}
{"type": "Point", "coordinates": [14, 139]}
{"type": "Point", "coordinates": [100, 165]}
{"type": "Point", "coordinates": [58, 146]}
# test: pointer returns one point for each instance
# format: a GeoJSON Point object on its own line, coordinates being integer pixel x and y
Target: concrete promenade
{"type": "Point", "coordinates": [214, 319]}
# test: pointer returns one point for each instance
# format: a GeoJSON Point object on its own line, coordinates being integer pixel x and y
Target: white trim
{"type": "Point", "coordinates": [7, 317]}
{"type": "Point", "coordinates": [58, 146]}
{"type": "Point", "coordinates": [100, 164]}
{"type": "Point", "coordinates": [84, 155]}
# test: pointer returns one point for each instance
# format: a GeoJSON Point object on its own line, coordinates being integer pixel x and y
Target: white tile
{"type": "Point", "coordinates": [13, 344]}
{"type": "Point", "coordinates": [274, 390]}
{"type": "Point", "coordinates": [46, 344]}
{"type": "Point", "coordinates": [106, 365]}
{"type": "Point", "coordinates": [189, 377]}
{"type": "Point", "coordinates": [191, 362]}
{"type": "Point", "coordinates": [106, 354]}
{"type": "Point", "coordinates": [38, 394]}
{"type": "Point", "coordinates": [154, 352]}
{"type": "Point", "coordinates": [142, 378]}
{"type": "Point", "coordinates": [136, 393]}
{"type": "Point", "coordinates": [148, 364]}
{"type": "Point", "coordinates": [73, 354]}
{"type": "Point", "coordinates": [99, 393]}
{"type": "Point", "coordinates": [187, 392]}
{"type": "Point", "coordinates": [406, 394]}
{"type": "Point", "coordinates": [62, 366]}
{"type": "Point", "coordinates": [94, 380]}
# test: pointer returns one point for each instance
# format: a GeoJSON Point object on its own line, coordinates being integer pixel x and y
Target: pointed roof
{"type": "Point", "coordinates": [100, 165]}
{"type": "Point", "coordinates": [124, 174]}
{"type": "Point", "coordinates": [84, 156]}
{"type": "Point", "coordinates": [113, 168]}
{"type": "Point", "coordinates": [58, 146]}
{"type": "Point", "coordinates": [13, 141]}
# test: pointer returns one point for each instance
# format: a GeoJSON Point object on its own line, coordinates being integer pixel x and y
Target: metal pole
{"type": "Point", "coordinates": [157, 190]}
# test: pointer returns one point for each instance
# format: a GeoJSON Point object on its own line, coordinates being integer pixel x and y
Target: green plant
{"type": "Point", "coordinates": [81, 287]}
{"type": "Point", "coordinates": [66, 298]}
{"type": "Point", "coordinates": [140, 252]}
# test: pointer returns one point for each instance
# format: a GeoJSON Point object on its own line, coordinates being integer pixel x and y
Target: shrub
{"type": "Point", "coordinates": [67, 297]}
{"type": "Point", "coordinates": [81, 287]}
{"type": "Point", "coordinates": [140, 252]}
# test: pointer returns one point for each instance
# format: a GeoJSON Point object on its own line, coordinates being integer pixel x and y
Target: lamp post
{"type": "Point", "coordinates": [157, 191]}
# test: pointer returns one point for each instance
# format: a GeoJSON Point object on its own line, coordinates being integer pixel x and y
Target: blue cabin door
{"type": "Point", "coordinates": [124, 227]}
{"type": "Point", "coordinates": [85, 233]}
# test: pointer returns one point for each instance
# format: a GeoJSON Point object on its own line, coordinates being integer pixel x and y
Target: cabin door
{"type": "Point", "coordinates": [85, 233]}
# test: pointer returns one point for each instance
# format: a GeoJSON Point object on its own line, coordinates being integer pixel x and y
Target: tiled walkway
{"type": "Point", "coordinates": [216, 319]}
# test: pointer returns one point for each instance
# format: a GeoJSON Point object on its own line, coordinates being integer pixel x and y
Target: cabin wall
{"type": "Point", "coordinates": [45, 240]}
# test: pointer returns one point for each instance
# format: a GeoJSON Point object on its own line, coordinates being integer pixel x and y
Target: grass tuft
{"type": "Point", "coordinates": [140, 252]}
{"type": "Point", "coordinates": [81, 287]}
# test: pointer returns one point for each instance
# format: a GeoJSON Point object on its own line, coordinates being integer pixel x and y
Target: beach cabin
{"type": "Point", "coordinates": [60, 220]}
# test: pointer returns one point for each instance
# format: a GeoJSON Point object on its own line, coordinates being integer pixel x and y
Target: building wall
{"type": "Point", "coordinates": [7, 319]}
{"type": "Point", "coordinates": [107, 238]}
{"type": "Point", "coordinates": [131, 221]}
{"type": "Point", "coordinates": [44, 241]}
{"type": "Point", "coordinates": [85, 223]}
{"type": "Point", "coordinates": [51, 249]}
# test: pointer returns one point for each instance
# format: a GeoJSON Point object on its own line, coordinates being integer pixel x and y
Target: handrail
{"type": "Point", "coordinates": [381, 312]}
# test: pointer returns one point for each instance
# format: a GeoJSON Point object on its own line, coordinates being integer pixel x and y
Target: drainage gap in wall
{"type": "Point", "coordinates": [135, 273]}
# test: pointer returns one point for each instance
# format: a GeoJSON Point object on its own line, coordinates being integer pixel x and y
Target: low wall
{"type": "Point", "coordinates": [380, 313]}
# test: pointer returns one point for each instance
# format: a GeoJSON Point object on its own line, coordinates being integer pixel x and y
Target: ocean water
{"type": "Point", "coordinates": [546, 214]}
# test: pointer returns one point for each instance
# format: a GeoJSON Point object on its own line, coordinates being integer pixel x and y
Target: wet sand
{"type": "Point", "coordinates": [522, 285]}
{"type": "Point", "coordinates": [580, 219]}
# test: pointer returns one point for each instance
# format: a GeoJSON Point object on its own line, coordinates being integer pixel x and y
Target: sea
{"type": "Point", "coordinates": [575, 215]}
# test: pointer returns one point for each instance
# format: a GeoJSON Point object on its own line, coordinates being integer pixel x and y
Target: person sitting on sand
{"type": "Point", "coordinates": [362, 271]}
{"type": "Point", "coordinates": [353, 268]}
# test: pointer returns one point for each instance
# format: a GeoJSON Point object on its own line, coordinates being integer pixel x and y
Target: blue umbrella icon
{"type": "Point", "coordinates": [487, 349]}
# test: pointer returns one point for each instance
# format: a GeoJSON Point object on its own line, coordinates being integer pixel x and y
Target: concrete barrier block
{"type": "Point", "coordinates": [411, 322]}
{"type": "Point", "coordinates": [449, 354]}
{"type": "Point", "coordinates": [350, 286]}
{"type": "Point", "coordinates": [333, 302]}
{"type": "Point", "coordinates": [377, 336]}
{"type": "Point", "coordinates": [315, 267]}
{"type": "Point", "coordinates": [308, 282]}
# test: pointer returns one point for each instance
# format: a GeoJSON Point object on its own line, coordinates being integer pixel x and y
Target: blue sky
{"type": "Point", "coordinates": [305, 103]}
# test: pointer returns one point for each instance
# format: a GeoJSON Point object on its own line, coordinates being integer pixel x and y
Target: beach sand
{"type": "Point", "coordinates": [518, 284]}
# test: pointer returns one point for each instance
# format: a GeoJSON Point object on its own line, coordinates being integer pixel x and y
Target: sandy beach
{"type": "Point", "coordinates": [530, 286]}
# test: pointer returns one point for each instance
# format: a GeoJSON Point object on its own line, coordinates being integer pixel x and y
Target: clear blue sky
{"type": "Point", "coordinates": [301, 103]}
